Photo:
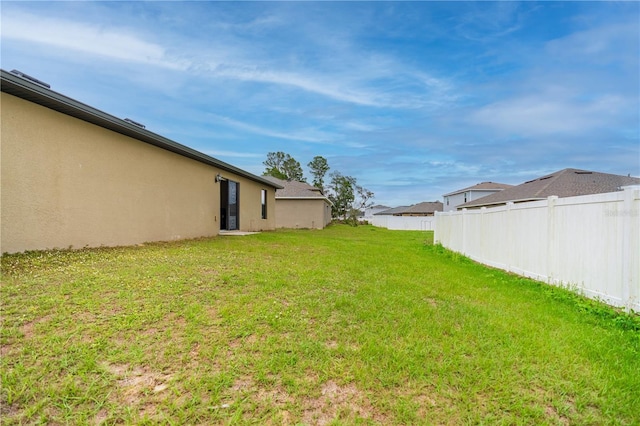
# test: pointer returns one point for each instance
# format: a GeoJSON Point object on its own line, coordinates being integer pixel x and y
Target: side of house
{"type": "Point", "coordinates": [73, 176]}
{"type": "Point", "coordinates": [453, 199]}
{"type": "Point", "coordinates": [300, 205]}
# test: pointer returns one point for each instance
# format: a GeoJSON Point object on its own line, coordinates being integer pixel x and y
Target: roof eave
{"type": "Point", "coordinates": [304, 198]}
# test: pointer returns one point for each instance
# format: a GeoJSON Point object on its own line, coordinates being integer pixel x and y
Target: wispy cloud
{"type": "Point", "coordinates": [303, 135]}
{"type": "Point", "coordinates": [361, 81]}
{"type": "Point", "coordinates": [118, 44]}
{"type": "Point", "coordinates": [536, 115]}
{"type": "Point", "coordinates": [234, 154]}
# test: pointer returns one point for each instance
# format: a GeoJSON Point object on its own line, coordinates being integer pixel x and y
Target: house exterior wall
{"type": "Point", "coordinates": [302, 213]}
{"type": "Point", "coordinates": [66, 182]}
{"type": "Point", "coordinates": [451, 202]}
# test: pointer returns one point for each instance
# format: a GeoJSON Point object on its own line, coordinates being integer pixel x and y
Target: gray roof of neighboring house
{"type": "Point", "coordinates": [482, 186]}
{"type": "Point", "coordinates": [425, 207]}
{"type": "Point", "coordinates": [563, 183]}
{"type": "Point", "coordinates": [294, 189]}
{"type": "Point", "coordinates": [391, 211]}
{"type": "Point", "coordinates": [41, 95]}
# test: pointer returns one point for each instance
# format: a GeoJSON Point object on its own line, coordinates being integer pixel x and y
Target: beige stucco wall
{"type": "Point", "coordinates": [302, 213]}
{"type": "Point", "coordinates": [66, 182]}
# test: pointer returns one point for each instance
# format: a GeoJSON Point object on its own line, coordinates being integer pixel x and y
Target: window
{"type": "Point", "coordinates": [263, 195]}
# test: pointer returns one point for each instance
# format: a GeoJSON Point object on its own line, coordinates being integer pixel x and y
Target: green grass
{"type": "Point", "coordinates": [342, 326]}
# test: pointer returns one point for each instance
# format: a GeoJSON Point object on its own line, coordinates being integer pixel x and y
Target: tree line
{"type": "Point", "coordinates": [344, 192]}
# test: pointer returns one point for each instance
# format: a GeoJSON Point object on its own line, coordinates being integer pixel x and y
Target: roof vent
{"type": "Point", "coordinates": [31, 79]}
{"type": "Point", "coordinates": [135, 123]}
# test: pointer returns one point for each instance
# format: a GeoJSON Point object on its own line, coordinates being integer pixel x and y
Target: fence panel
{"type": "Point", "coordinates": [404, 223]}
{"type": "Point", "coordinates": [591, 243]}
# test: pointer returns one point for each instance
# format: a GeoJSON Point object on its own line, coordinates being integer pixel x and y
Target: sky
{"type": "Point", "coordinates": [413, 99]}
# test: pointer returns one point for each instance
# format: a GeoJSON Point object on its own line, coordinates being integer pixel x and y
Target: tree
{"type": "Point", "coordinates": [292, 169]}
{"type": "Point", "coordinates": [348, 197]}
{"type": "Point", "coordinates": [341, 194]}
{"type": "Point", "coordinates": [283, 166]}
{"type": "Point", "coordinates": [318, 167]}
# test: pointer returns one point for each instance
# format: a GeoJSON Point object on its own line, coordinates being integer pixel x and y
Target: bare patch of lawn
{"type": "Point", "coordinates": [341, 326]}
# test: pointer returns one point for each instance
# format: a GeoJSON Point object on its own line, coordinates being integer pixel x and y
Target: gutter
{"type": "Point", "coordinates": [305, 198]}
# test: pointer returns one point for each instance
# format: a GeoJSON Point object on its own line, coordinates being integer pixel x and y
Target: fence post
{"type": "Point", "coordinates": [483, 235]}
{"type": "Point", "coordinates": [509, 234]}
{"type": "Point", "coordinates": [464, 231]}
{"type": "Point", "coordinates": [552, 240]}
{"type": "Point", "coordinates": [630, 247]}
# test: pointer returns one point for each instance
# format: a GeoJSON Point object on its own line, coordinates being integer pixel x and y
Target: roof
{"type": "Point", "coordinates": [482, 186]}
{"type": "Point", "coordinates": [392, 211]}
{"type": "Point", "coordinates": [425, 207]}
{"type": "Point", "coordinates": [291, 189]}
{"type": "Point", "coordinates": [41, 95]}
{"type": "Point", "coordinates": [563, 183]}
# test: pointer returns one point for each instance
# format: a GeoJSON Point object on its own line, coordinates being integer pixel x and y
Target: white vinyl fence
{"type": "Point", "coordinates": [404, 223]}
{"type": "Point", "coordinates": [590, 243]}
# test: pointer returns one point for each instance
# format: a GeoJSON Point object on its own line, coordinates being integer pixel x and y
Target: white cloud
{"type": "Point", "coordinates": [536, 115]}
{"type": "Point", "coordinates": [89, 39]}
{"type": "Point", "coordinates": [304, 135]}
{"type": "Point", "coordinates": [350, 76]}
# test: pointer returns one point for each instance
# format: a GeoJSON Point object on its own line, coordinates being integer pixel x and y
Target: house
{"type": "Point", "coordinates": [75, 176]}
{"type": "Point", "coordinates": [563, 183]}
{"type": "Point", "coordinates": [300, 205]}
{"type": "Point", "coordinates": [426, 208]}
{"type": "Point", "coordinates": [416, 217]}
{"type": "Point", "coordinates": [453, 199]}
{"type": "Point", "coordinates": [370, 211]}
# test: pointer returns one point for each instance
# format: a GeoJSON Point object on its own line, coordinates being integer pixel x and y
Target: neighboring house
{"type": "Point", "coordinates": [426, 208]}
{"type": "Point", "coordinates": [563, 183]}
{"type": "Point", "coordinates": [453, 199]}
{"type": "Point", "coordinates": [416, 217]}
{"type": "Point", "coordinates": [300, 205]}
{"type": "Point", "coordinates": [74, 176]}
{"type": "Point", "coordinates": [369, 212]}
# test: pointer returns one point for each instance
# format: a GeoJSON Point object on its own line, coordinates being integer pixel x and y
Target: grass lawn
{"type": "Point", "coordinates": [342, 326]}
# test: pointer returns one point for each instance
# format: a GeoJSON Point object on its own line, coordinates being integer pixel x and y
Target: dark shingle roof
{"type": "Point", "coordinates": [425, 207]}
{"type": "Point", "coordinates": [392, 211]}
{"type": "Point", "coordinates": [482, 186]}
{"type": "Point", "coordinates": [295, 189]}
{"type": "Point", "coordinates": [563, 183]}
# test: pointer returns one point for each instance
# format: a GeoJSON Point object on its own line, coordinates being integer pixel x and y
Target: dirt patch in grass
{"type": "Point", "coordinates": [345, 402]}
{"type": "Point", "coordinates": [552, 413]}
{"type": "Point", "coordinates": [136, 385]}
{"type": "Point", "coordinates": [28, 329]}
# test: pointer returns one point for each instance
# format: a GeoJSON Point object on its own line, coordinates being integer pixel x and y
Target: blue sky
{"type": "Point", "coordinates": [413, 99]}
